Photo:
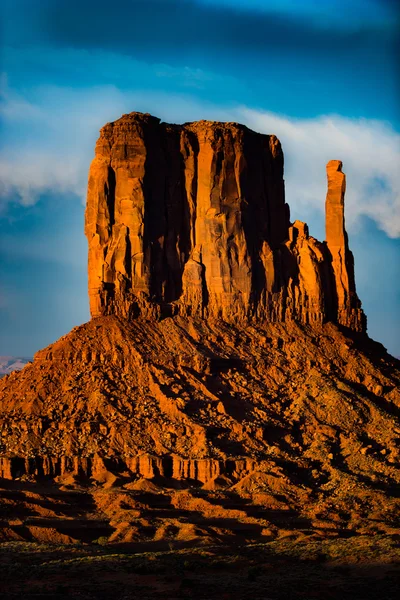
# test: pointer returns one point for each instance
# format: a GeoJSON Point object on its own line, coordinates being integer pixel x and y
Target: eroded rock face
{"type": "Point", "coordinates": [181, 215]}
{"type": "Point", "coordinates": [192, 219]}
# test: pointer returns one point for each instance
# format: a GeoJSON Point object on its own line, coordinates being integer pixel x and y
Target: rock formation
{"type": "Point", "coordinates": [191, 219]}
{"type": "Point", "coordinates": [347, 304]}
{"type": "Point", "coordinates": [227, 356]}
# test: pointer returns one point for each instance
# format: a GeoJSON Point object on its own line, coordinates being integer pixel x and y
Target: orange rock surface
{"type": "Point", "coordinates": [347, 304]}
{"type": "Point", "coordinates": [226, 371]}
{"type": "Point", "coordinates": [191, 219]}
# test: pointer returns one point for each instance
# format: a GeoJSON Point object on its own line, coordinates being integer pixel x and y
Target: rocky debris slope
{"type": "Point", "coordinates": [284, 417]}
{"type": "Point", "coordinates": [226, 385]}
{"type": "Point", "coordinates": [191, 219]}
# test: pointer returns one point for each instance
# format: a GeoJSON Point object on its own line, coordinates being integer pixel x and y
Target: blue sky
{"type": "Point", "coordinates": [322, 76]}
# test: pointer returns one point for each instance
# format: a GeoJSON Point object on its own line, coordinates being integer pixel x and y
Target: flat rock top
{"type": "Point", "coordinates": [147, 118]}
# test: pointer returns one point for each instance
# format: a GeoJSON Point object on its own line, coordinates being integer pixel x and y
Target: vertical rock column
{"type": "Point", "coordinates": [348, 306]}
{"type": "Point", "coordinates": [115, 210]}
{"type": "Point", "coordinates": [220, 258]}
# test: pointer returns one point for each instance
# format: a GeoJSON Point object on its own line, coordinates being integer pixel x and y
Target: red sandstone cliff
{"type": "Point", "coordinates": [191, 219]}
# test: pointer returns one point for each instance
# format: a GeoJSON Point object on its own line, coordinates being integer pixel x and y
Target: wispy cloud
{"type": "Point", "coordinates": [47, 143]}
{"type": "Point", "coordinates": [54, 153]}
{"type": "Point", "coordinates": [189, 77]}
{"type": "Point", "coordinates": [24, 177]}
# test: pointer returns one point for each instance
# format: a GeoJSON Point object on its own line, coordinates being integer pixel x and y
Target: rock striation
{"type": "Point", "coordinates": [191, 219]}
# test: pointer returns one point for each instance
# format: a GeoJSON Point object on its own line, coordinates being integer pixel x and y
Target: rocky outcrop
{"type": "Point", "coordinates": [147, 466]}
{"type": "Point", "coordinates": [180, 216]}
{"type": "Point", "coordinates": [191, 219]}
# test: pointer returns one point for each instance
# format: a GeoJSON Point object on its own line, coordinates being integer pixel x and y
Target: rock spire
{"type": "Point", "coordinates": [347, 304]}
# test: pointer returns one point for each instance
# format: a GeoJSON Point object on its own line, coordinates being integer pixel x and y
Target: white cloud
{"type": "Point", "coordinates": [48, 143]}
{"type": "Point", "coordinates": [30, 174]}
{"type": "Point", "coordinates": [370, 151]}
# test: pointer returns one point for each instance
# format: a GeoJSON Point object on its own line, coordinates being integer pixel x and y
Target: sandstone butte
{"type": "Point", "coordinates": [225, 384]}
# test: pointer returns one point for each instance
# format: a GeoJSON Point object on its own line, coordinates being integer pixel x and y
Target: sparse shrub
{"type": "Point", "coordinates": [101, 541]}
